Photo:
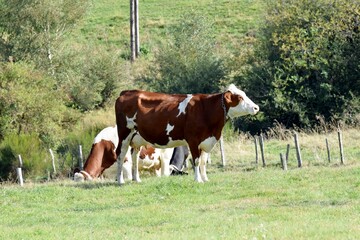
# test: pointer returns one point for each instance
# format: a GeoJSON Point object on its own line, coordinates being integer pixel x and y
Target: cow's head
{"type": "Point", "coordinates": [78, 177]}
{"type": "Point", "coordinates": [239, 104]}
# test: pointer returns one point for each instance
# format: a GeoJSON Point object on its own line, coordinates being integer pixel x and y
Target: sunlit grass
{"type": "Point", "coordinates": [308, 203]}
{"type": "Point", "coordinates": [107, 22]}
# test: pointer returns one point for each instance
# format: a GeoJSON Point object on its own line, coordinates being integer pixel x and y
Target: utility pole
{"type": "Point", "coordinates": [134, 29]}
{"type": "Point", "coordinates": [137, 36]}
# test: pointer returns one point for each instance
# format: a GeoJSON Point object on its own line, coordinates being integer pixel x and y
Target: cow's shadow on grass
{"type": "Point", "coordinates": [96, 184]}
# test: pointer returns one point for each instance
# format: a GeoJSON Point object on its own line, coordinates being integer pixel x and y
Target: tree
{"type": "Point", "coordinates": [32, 30]}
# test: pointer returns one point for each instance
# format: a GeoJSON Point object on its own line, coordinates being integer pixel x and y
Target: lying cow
{"type": "Point", "coordinates": [171, 120]}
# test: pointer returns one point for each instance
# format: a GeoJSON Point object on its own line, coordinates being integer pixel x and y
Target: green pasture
{"type": "Point", "coordinates": [308, 203]}
{"type": "Point", "coordinates": [107, 22]}
{"type": "Point", "coordinates": [242, 200]}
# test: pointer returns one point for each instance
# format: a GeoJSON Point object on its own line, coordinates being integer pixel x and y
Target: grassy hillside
{"type": "Point", "coordinates": [311, 203]}
{"type": "Point", "coordinates": [107, 22]}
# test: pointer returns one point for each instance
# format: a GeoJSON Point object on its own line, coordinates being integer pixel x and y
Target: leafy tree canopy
{"type": "Point", "coordinates": [307, 63]}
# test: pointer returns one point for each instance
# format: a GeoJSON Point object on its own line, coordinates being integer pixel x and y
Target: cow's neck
{"type": "Point", "coordinates": [91, 171]}
{"type": "Point", "coordinates": [218, 113]}
{"type": "Point", "coordinates": [223, 105]}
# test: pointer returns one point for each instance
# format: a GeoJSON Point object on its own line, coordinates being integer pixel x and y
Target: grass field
{"type": "Point", "coordinates": [107, 22]}
{"type": "Point", "coordinates": [241, 201]}
{"type": "Point", "coordinates": [311, 203]}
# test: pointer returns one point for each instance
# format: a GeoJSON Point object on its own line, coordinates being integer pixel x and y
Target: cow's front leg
{"type": "Point", "coordinates": [135, 165]}
{"type": "Point", "coordinates": [120, 162]}
{"type": "Point", "coordinates": [203, 159]}
{"type": "Point", "coordinates": [197, 171]}
{"type": "Point", "coordinates": [123, 146]}
{"type": "Point", "coordinates": [127, 166]}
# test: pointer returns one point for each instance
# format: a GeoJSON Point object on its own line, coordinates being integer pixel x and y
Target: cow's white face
{"type": "Point", "coordinates": [245, 105]}
{"type": "Point", "coordinates": [78, 177]}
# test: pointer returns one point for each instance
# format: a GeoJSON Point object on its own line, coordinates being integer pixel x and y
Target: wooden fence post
{"type": "Point", "coordinates": [222, 151]}
{"type": "Point", "coordinates": [328, 149]}
{"type": "Point", "coordinates": [20, 161]}
{"type": "Point", "coordinates": [341, 146]}
{"type": "Point", "coordinates": [298, 153]}
{"type": "Point", "coordinates": [19, 171]}
{"type": "Point", "coordinates": [262, 149]}
{"type": "Point", "coordinates": [80, 158]}
{"type": "Point", "coordinates": [19, 174]}
{"type": "Point", "coordinates": [283, 162]}
{"type": "Point", "coordinates": [287, 153]}
{"type": "Point", "coordinates": [256, 150]}
{"type": "Point", "coordinates": [52, 160]}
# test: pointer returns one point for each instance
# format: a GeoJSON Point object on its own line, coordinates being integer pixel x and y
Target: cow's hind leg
{"type": "Point", "coordinates": [195, 152]}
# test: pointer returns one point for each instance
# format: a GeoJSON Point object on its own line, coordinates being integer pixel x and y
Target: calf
{"type": "Point", "coordinates": [171, 120]}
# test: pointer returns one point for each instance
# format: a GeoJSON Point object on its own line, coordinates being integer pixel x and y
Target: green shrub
{"type": "Point", "coordinates": [189, 62]}
{"type": "Point", "coordinates": [37, 162]}
{"type": "Point", "coordinates": [29, 103]}
{"type": "Point", "coordinates": [89, 77]}
{"type": "Point", "coordinates": [306, 65]}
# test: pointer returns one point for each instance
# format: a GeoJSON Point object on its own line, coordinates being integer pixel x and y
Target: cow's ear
{"type": "Point", "coordinates": [232, 99]}
{"type": "Point", "coordinates": [227, 97]}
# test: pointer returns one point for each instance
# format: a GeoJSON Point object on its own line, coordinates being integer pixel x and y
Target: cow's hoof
{"type": "Point", "coordinates": [199, 180]}
{"type": "Point", "coordinates": [121, 181]}
{"type": "Point", "coordinates": [205, 179]}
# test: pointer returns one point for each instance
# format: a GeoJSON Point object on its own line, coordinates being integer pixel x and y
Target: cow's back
{"type": "Point", "coordinates": [162, 118]}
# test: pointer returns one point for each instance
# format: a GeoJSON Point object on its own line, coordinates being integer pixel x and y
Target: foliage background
{"type": "Point", "coordinates": [306, 65]}
{"type": "Point", "coordinates": [64, 62]}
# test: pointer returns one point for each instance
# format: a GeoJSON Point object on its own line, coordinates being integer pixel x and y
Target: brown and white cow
{"type": "Point", "coordinates": [155, 160]}
{"type": "Point", "coordinates": [170, 120]}
{"type": "Point", "coordinates": [102, 156]}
